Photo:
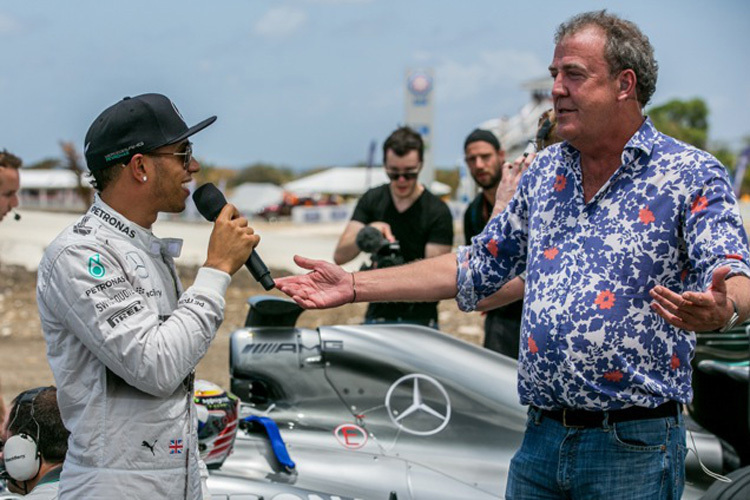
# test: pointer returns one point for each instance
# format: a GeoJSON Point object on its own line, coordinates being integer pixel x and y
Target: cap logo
{"type": "Point", "coordinates": [177, 110]}
{"type": "Point", "coordinates": [122, 152]}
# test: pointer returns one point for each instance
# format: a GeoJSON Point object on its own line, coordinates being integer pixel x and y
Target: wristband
{"type": "Point", "coordinates": [354, 289]}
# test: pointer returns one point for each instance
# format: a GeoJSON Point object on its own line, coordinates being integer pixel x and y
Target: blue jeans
{"type": "Point", "coordinates": [638, 459]}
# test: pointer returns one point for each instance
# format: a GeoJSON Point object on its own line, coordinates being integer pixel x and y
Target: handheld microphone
{"type": "Point", "coordinates": [209, 201]}
{"type": "Point", "coordinates": [16, 215]}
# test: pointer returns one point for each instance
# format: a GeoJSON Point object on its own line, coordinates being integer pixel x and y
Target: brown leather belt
{"type": "Point", "coordinates": [584, 418]}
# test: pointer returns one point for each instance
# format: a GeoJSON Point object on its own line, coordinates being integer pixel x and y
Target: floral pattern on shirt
{"type": "Point", "coordinates": [590, 340]}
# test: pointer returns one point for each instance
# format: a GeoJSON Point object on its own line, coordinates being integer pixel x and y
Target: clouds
{"type": "Point", "coordinates": [490, 71]}
{"type": "Point", "coordinates": [8, 25]}
{"type": "Point", "coordinates": [280, 22]}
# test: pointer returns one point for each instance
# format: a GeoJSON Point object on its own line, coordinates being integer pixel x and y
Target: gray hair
{"type": "Point", "coordinates": [626, 47]}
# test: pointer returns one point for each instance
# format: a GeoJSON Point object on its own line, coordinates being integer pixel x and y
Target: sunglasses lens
{"type": "Point", "coordinates": [188, 155]}
{"type": "Point", "coordinates": [406, 175]}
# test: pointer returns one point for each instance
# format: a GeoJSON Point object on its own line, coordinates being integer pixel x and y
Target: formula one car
{"type": "Point", "coordinates": [394, 412]}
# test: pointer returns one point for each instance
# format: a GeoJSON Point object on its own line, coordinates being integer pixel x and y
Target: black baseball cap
{"type": "Point", "coordinates": [135, 125]}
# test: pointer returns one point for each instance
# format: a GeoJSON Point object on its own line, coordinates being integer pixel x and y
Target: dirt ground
{"type": "Point", "coordinates": [23, 361]}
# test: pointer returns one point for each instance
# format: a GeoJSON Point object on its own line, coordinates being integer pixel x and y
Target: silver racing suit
{"type": "Point", "coordinates": [123, 340]}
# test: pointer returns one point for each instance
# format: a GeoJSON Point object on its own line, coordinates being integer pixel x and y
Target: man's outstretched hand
{"type": "Point", "coordinates": [326, 285]}
{"type": "Point", "coordinates": [696, 311]}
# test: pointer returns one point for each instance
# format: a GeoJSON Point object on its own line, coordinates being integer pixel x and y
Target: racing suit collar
{"type": "Point", "coordinates": [156, 246]}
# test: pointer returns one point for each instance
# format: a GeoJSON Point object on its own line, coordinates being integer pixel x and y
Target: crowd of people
{"type": "Point", "coordinates": [597, 258]}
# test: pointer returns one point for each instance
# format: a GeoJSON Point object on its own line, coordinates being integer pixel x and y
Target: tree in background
{"type": "Point", "coordinates": [683, 120]}
{"type": "Point", "coordinates": [73, 163]}
{"type": "Point", "coordinates": [263, 172]}
{"type": "Point", "coordinates": [688, 122]}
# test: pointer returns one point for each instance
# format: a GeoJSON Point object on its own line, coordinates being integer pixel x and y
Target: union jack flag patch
{"type": "Point", "coordinates": [175, 446]}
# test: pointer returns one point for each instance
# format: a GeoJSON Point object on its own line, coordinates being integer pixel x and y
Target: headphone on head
{"type": "Point", "coordinates": [21, 454]}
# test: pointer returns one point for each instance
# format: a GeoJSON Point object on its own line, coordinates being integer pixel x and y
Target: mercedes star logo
{"type": "Point", "coordinates": [418, 417]}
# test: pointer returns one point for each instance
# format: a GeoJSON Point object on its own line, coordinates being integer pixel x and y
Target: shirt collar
{"type": "Point", "coordinates": [643, 140]}
{"type": "Point", "coordinates": [52, 476]}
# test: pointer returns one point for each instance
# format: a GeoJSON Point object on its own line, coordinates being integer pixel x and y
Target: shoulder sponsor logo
{"type": "Point", "coordinates": [191, 300]}
{"type": "Point", "coordinates": [116, 299]}
{"type": "Point", "coordinates": [115, 222]}
{"type": "Point", "coordinates": [96, 269]}
{"type": "Point", "coordinates": [123, 314]}
{"type": "Point", "coordinates": [149, 293]}
{"type": "Point", "coordinates": [103, 286]}
{"type": "Point", "coordinates": [81, 228]}
{"type": "Point", "coordinates": [137, 263]}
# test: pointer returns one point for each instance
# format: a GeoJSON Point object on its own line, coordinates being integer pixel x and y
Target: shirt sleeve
{"type": "Point", "coordinates": [496, 255]}
{"type": "Point", "coordinates": [714, 232]}
{"type": "Point", "coordinates": [108, 315]}
{"type": "Point", "coordinates": [362, 211]}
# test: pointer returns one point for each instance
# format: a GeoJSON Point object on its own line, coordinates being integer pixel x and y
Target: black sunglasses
{"type": "Point", "coordinates": [187, 155]}
{"type": "Point", "coordinates": [406, 175]}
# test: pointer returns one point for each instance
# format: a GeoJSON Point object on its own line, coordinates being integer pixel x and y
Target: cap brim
{"type": "Point", "coordinates": [193, 130]}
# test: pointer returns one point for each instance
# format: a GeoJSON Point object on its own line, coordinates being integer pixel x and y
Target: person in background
{"type": "Point", "coordinates": [34, 419]}
{"type": "Point", "coordinates": [123, 337]}
{"type": "Point", "coordinates": [631, 242]}
{"type": "Point", "coordinates": [402, 211]}
{"type": "Point", "coordinates": [499, 180]}
{"type": "Point", "coordinates": [485, 159]}
{"type": "Point", "coordinates": [10, 166]}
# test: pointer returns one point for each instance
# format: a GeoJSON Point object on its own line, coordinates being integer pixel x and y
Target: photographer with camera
{"type": "Point", "coordinates": [404, 212]}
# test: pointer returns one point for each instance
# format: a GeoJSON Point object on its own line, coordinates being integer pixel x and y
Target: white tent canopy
{"type": "Point", "coordinates": [48, 179]}
{"type": "Point", "coordinates": [251, 197]}
{"type": "Point", "coordinates": [348, 181]}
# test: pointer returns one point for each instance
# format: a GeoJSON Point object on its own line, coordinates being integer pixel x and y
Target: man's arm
{"type": "Point", "coordinates": [705, 311]}
{"type": "Point", "coordinates": [328, 285]}
{"type": "Point", "coordinates": [511, 292]}
{"type": "Point", "coordinates": [347, 248]}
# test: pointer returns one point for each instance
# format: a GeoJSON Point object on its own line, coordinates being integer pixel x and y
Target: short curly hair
{"type": "Point", "coordinates": [626, 48]}
{"type": "Point", "coordinates": [103, 177]}
{"type": "Point", "coordinates": [8, 159]}
{"type": "Point", "coordinates": [402, 141]}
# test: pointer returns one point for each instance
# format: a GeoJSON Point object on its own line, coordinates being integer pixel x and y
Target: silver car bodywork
{"type": "Point", "coordinates": [379, 412]}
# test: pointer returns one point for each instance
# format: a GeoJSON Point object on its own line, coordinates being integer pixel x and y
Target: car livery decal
{"type": "Point", "coordinates": [418, 409]}
{"type": "Point", "coordinates": [350, 436]}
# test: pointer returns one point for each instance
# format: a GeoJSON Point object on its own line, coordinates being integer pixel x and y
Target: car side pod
{"type": "Point", "coordinates": [274, 437]}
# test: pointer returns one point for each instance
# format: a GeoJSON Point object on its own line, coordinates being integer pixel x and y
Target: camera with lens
{"type": "Point", "coordinates": [383, 253]}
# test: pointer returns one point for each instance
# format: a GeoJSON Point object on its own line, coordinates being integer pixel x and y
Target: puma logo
{"type": "Point", "coordinates": [150, 446]}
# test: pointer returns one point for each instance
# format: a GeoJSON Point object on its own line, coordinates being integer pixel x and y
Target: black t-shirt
{"type": "Point", "coordinates": [427, 220]}
{"type": "Point", "coordinates": [475, 218]}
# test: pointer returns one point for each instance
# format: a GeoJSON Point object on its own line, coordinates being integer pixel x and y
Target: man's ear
{"type": "Point", "coordinates": [136, 168]}
{"type": "Point", "coordinates": [626, 80]}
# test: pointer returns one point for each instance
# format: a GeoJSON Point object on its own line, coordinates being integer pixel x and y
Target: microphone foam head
{"type": "Point", "coordinates": [209, 201]}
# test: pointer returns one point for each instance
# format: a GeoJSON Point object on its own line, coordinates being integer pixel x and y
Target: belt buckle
{"type": "Point", "coordinates": [565, 421]}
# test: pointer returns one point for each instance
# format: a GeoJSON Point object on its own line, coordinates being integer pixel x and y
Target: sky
{"type": "Point", "coordinates": [310, 83]}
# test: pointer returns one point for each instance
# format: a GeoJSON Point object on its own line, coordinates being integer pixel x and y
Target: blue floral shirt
{"type": "Point", "coordinates": [589, 338]}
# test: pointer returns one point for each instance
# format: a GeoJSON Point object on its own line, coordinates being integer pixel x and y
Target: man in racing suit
{"type": "Point", "coordinates": [123, 338]}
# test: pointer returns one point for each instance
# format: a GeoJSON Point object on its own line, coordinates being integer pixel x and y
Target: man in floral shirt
{"type": "Point", "coordinates": [631, 241]}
